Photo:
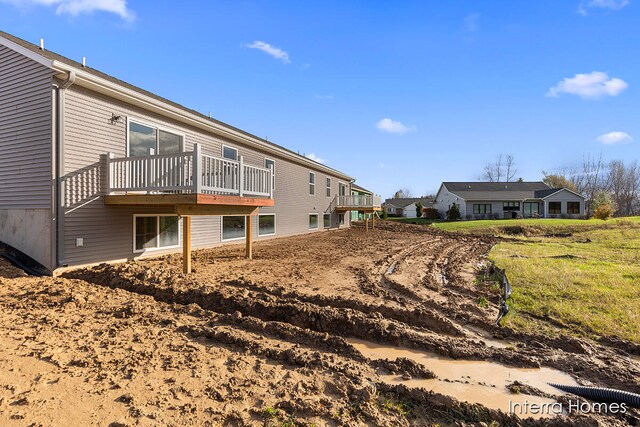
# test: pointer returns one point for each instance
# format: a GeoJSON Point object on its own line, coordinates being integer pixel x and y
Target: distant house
{"type": "Point", "coordinates": [484, 200]}
{"type": "Point", "coordinates": [406, 206]}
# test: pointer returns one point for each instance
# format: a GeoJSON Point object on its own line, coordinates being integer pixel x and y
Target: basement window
{"type": "Point", "coordinates": [155, 232]}
{"type": "Point", "coordinates": [313, 221]}
{"type": "Point", "coordinates": [327, 220]}
{"type": "Point", "coordinates": [266, 224]}
{"type": "Point", "coordinates": [233, 227]}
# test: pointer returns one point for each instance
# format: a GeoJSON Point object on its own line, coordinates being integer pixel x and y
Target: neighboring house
{"type": "Point", "coordinates": [479, 200]}
{"type": "Point", "coordinates": [94, 169]}
{"type": "Point", "coordinates": [406, 206]}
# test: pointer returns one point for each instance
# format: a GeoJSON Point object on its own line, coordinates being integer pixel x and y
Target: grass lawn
{"type": "Point", "coordinates": [586, 284]}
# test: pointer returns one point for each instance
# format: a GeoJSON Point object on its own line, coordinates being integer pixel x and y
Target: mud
{"type": "Point", "coordinates": [267, 341]}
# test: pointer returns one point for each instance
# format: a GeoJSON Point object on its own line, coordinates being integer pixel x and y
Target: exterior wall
{"type": "Point", "coordinates": [108, 231]}
{"type": "Point", "coordinates": [25, 155]}
{"type": "Point", "coordinates": [444, 199]}
{"type": "Point", "coordinates": [497, 209]}
{"type": "Point", "coordinates": [563, 197]}
{"type": "Point", "coordinates": [409, 211]}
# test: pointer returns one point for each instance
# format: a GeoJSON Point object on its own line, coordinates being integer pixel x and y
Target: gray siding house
{"type": "Point", "coordinates": [406, 206]}
{"type": "Point", "coordinates": [93, 169]}
{"type": "Point", "coordinates": [486, 200]}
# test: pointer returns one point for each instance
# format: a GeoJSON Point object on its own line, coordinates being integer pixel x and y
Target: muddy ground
{"type": "Point", "coordinates": [263, 341]}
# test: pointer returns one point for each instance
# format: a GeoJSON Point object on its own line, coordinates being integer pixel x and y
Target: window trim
{"type": "Point", "coordinates": [222, 147]}
{"type": "Point", "coordinates": [273, 178]}
{"type": "Point", "coordinates": [485, 208]}
{"type": "Point", "coordinates": [275, 220]}
{"type": "Point", "coordinates": [328, 186]}
{"type": "Point", "coordinates": [157, 248]}
{"type": "Point", "coordinates": [516, 205]}
{"type": "Point", "coordinates": [157, 128]}
{"type": "Point", "coordinates": [314, 183]}
{"type": "Point", "coordinates": [346, 188]}
{"type": "Point", "coordinates": [317, 221]}
{"type": "Point", "coordinates": [222, 239]}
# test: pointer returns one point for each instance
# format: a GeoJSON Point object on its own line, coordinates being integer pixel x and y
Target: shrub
{"type": "Point", "coordinates": [384, 214]}
{"type": "Point", "coordinates": [418, 210]}
{"type": "Point", "coordinates": [604, 211]}
{"type": "Point", "coordinates": [430, 213]}
{"type": "Point", "coordinates": [603, 198]}
{"type": "Point", "coordinates": [453, 213]}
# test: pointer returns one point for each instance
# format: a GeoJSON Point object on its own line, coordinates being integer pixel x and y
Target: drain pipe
{"type": "Point", "coordinates": [60, 171]}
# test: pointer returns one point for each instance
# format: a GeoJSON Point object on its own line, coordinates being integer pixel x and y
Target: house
{"type": "Point", "coordinates": [480, 200]}
{"type": "Point", "coordinates": [94, 169]}
{"type": "Point", "coordinates": [406, 206]}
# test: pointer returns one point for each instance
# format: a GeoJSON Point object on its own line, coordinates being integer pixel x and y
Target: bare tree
{"type": "Point", "coordinates": [558, 180]}
{"type": "Point", "coordinates": [503, 169]}
{"type": "Point", "coordinates": [623, 182]}
{"type": "Point", "coordinates": [402, 193]}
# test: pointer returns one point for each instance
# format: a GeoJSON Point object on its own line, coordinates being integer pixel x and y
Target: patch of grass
{"type": "Point", "coordinates": [420, 221]}
{"type": "Point", "coordinates": [482, 302]}
{"type": "Point", "coordinates": [587, 284]}
{"type": "Point", "coordinates": [548, 225]}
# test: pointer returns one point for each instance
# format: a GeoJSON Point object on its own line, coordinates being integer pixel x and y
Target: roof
{"type": "Point", "coordinates": [360, 189]}
{"type": "Point", "coordinates": [401, 202]}
{"type": "Point", "coordinates": [62, 59]}
{"type": "Point", "coordinates": [496, 190]}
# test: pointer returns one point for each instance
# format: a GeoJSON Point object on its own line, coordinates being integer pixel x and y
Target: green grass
{"type": "Point", "coordinates": [552, 225]}
{"type": "Point", "coordinates": [421, 221]}
{"type": "Point", "coordinates": [586, 284]}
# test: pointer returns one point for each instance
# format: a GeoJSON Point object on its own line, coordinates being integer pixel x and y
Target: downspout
{"type": "Point", "coordinates": [60, 171]}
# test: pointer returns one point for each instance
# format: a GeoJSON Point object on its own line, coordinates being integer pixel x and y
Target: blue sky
{"type": "Point", "coordinates": [397, 94]}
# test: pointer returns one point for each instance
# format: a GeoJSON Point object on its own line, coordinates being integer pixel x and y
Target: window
{"type": "Point", "coordinates": [145, 140]}
{"type": "Point", "coordinates": [271, 163]}
{"type": "Point", "coordinates": [233, 227]}
{"type": "Point", "coordinates": [266, 224]}
{"type": "Point", "coordinates": [229, 153]}
{"type": "Point", "coordinates": [555, 207]}
{"type": "Point", "coordinates": [312, 183]}
{"type": "Point", "coordinates": [573, 208]}
{"type": "Point", "coordinates": [327, 220]}
{"type": "Point", "coordinates": [342, 188]}
{"type": "Point", "coordinates": [484, 208]}
{"type": "Point", "coordinates": [155, 232]}
{"type": "Point", "coordinates": [511, 206]}
{"type": "Point", "coordinates": [328, 187]}
{"type": "Point", "coordinates": [341, 219]}
{"type": "Point", "coordinates": [313, 221]}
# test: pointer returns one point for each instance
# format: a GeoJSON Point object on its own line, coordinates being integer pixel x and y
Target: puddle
{"type": "Point", "coordinates": [472, 381]}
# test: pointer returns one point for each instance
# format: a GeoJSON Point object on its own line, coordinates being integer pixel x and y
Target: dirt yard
{"type": "Point", "coordinates": [274, 341]}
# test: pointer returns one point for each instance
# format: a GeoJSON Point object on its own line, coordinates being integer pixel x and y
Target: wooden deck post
{"type": "Point", "coordinates": [186, 245]}
{"type": "Point", "coordinates": [373, 220]}
{"type": "Point", "coordinates": [248, 221]}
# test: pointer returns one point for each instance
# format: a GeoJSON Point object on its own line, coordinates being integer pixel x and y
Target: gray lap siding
{"type": "Point", "coordinates": [108, 231]}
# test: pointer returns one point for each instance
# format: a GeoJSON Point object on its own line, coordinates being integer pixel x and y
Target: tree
{"type": "Point", "coordinates": [603, 206]}
{"type": "Point", "coordinates": [418, 210]}
{"type": "Point", "coordinates": [402, 193]}
{"type": "Point", "coordinates": [503, 169]}
{"type": "Point", "coordinates": [453, 213]}
{"type": "Point", "coordinates": [558, 181]}
{"type": "Point", "coordinates": [623, 183]}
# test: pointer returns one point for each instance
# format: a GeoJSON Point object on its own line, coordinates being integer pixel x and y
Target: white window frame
{"type": "Point", "coordinates": [275, 226]}
{"type": "Point", "coordinates": [328, 186]}
{"type": "Point", "coordinates": [344, 220]}
{"type": "Point", "coordinates": [346, 189]}
{"type": "Point", "coordinates": [222, 239]}
{"type": "Point", "coordinates": [273, 178]}
{"type": "Point", "coordinates": [314, 183]}
{"type": "Point", "coordinates": [323, 215]}
{"type": "Point", "coordinates": [157, 248]}
{"type": "Point", "coordinates": [233, 160]}
{"type": "Point", "coordinates": [158, 128]}
{"type": "Point", "coordinates": [317, 221]}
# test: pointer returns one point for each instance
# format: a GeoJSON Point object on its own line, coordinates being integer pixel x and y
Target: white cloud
{"type": "Point", "coordinates": [323, 97]}
{"type": "Point", "coordinates": [270, 50]}
{"type": "Point", "coordinates": [601, 4]}
{"type": "Point", "coordinates": [78, 7]}
{"type": "Point", "coordinates": [616, 137]}
{"type": "Point", "coordinates": [382, 165]}
{"type": "Point", "coordinates": [472, 22]}
{"type": "Point", "coordinates": [591, 85]}
{"type": "Point", "coordinates": [392, 126]}
{"type": "Point", "coordinates": [314, 158]}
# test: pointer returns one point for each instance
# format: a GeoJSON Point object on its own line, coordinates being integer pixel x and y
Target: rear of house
{"type": "Point", "coordinates": [95, 169]}
{"type": "Point", "coordinates": [506, 200]}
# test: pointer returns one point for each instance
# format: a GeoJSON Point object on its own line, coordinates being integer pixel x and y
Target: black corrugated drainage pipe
{"type": "Point", "coordinates": [600, 394]}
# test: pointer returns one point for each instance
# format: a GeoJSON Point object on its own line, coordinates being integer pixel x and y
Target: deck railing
{"type": "Point", "coordinates": [357, 201]}
{"type": "Point", "coordinates": [188, 172]}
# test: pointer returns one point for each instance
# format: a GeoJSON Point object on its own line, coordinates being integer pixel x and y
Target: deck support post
{"type": "Point", "coordinates": [186, 245]}
{"type": "Point", "coordinates": [248, 222]}
{"type": "Point", "coordinates": [373, 220]}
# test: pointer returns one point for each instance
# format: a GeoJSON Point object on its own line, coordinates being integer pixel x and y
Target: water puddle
{"type": "Point", "coordinates": [472, 381]}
